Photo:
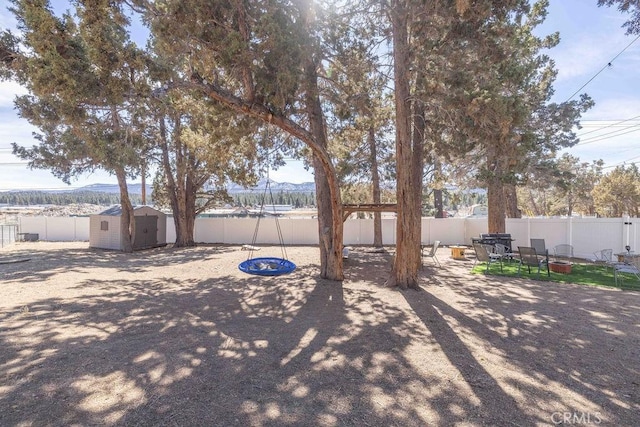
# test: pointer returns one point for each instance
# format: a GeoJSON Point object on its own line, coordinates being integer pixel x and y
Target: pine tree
{"type": "Point", "coordinates": [84, 78]}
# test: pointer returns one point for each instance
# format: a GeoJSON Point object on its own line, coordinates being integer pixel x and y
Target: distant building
{"type": "Point", "coordinates": [478, 211]}
{"type": "Point", "coordinates": [277, 208]}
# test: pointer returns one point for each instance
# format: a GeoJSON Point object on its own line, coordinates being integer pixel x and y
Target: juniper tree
{"type": "Point", "coordinates": [84, 78]}
{"type": "Point", "coordinates": [201, 148]}
{"type": "Point", "coordinates": [261, 59]}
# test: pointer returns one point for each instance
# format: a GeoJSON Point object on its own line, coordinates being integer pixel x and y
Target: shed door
{"type": "Point", "coordinates": [146, 232]}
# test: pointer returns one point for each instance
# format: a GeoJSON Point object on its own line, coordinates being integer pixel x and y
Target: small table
{"type": "Point", "coordinates": [621, 256]}
{"type": "Point", "coordinates": [457, 252]}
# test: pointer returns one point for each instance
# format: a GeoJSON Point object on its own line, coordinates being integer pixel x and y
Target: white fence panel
{"type": "Point", "coordinates": [554, 231]}
{"type": "Point", "coordinates": [450, 231]}
{"type": "Point", "coordinates": [56, 228]}
{"type": "Point", "coordinates": [353, 233]}
{"type": "Point", "coordinates": [587, 235]}
{"type": "Point", "coordinates": [304, 231]}
{"type": "Point", "coordinates": [519, 230]}
{"type": "Point", "coordinates": [634, 233]}
{"type": "Point", "coordinates": [474, 227]}
{"type": "Point", "coordinates": [59, 229]}
{"type": "Point", "coordinates": [209, 230]}
{"type": "Point", "coordinates": [82, 228]}
{"type": "Point", "coordinates": [34, 224]}
{"type": "Point", "coordinates": [594, 234]}
{"type": "Point", "coordinates": [301, 230]}
{"type": "Point", "coordinates": [388, 231]}
{"type": "Point", "coordinates": [171, 230]}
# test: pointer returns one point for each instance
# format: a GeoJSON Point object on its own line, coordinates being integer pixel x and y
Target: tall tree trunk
{"type": "Point", "coordinates": [184, 214]}
{"type": "Point", "coordinates": [437, 203]}
{"type": "Point", "coordinates": [437, 193]}
{"type": "Point", "coordinates": [407, 259]}
{"type": "Point", "coordinates": [375, 184]}
{"type": "Point", "coordinates": [511, 201]}
{"type": "Point", "coordinates": [534, 204]}
{"type": "Point", "coordinates": [127, 220]}
{"type": "Point", "coordinates": [181, 195]}
{"type": "Point", "coordinates": [143, 185]}
{"type": "Point", "coordinates": [496, 204]}
{"type": "Point", "coordinates": [417, 167]}
{"type": "Point", "coordinates": [330, 224]}
{"type": "Point", "coordinates": [189, 209]}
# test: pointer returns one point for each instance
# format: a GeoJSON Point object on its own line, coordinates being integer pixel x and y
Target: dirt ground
{"type": "Point", "coordinates": [181, 337]}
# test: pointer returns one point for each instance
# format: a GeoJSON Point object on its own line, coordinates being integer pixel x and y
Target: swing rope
{"type": "Point", "coordinates": [283, 249]}
{"type": "Point", "coordinates": [267, 266]}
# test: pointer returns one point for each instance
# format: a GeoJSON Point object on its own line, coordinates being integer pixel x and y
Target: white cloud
{"type": "Point", "coordinates": [15, 129]}
{"type": "Point", "coordinates": [8, 91]}
{"type": "Point", "coordinates": [616, 109]}
{"type": "Point", "coordinates": [7, 19]}
{"type": "Point", "coordinates": [590, 37]}
{"type": "Point", "coordinates": [584, 57]}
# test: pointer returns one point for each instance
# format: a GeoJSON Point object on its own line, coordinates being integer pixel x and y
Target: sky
{"type": "Point", "coordinates": [591, 38]}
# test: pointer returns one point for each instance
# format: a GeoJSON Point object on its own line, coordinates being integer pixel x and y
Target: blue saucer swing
{"type": "Point", "coordinates": [267, 266]}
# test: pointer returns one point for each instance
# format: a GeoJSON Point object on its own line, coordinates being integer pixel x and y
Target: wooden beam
{"type": "Point", "coordinates": [368, 207]}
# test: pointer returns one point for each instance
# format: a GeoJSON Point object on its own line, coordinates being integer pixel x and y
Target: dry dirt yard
{"type": "Point", "coordinates": [180, 337]}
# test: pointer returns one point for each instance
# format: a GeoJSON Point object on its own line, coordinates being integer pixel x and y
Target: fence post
{"type": "Point", "coordinates": [626, 226]}
{"type": "Point", "coordinates": [570, 230]}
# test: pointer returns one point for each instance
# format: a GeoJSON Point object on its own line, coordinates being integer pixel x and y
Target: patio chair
{"type": "Point", "coordinates": [503, 251]}
{"type": "Point", "coordinates": [484, 253]}
{"type": "Point", "coordinates": [627, 267]}
{"type": "Point", "coordinates": [531, 258]}
{"type": "Point", "coordinates": [432, 253]}
{"type": "Point", "coordinates": [539, 246]}
{"type": "Point", "coordinates": [603, 257]}
{"type": "Point", "coordinates": [563, 251]}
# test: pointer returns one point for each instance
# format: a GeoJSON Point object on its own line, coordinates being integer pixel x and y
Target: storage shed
{"type": "Point", "coordinates": [151, 228]}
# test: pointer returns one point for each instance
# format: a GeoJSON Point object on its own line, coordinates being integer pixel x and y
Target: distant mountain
{"type": "Point", "coordinates": [276, 187]}
{"type": "Point", "coordinates": [111, 188]}
{"type": "Point", "coordinates": [95, 188]}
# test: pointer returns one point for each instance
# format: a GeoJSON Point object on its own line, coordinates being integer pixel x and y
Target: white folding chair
{"type": "Point", "coordinates": [432, 253]}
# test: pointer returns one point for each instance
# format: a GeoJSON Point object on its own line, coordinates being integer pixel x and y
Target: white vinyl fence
{"type": "Point", "coordinates": [587, 235]}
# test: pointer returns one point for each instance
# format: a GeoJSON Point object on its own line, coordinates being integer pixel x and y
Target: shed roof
{"type": "Point", "coordinates": [116, 210]}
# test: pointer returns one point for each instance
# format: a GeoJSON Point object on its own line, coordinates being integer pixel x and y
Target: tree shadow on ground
{"type": "Point", "coordinates": [39, 266]}
{"type": "Point", "coordinates": [367, 263]}
{"type": "Point", "coordinates": [219, 351]}
{"type": "Point", "coordinates": [225, 349]}
{"type": "Point", "coordinates": [571, 350]}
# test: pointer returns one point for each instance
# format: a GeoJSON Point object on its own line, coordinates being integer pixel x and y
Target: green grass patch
{"type": "Point", "coordinates": [584, 274]}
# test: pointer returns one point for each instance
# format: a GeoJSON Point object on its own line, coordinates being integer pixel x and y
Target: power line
{"type": "Point", "coordinates": [628, 161]}
{"type": "Point", "coordinates": [603, 68]}
{"type": "Point", "coordinates": [587, 122]}
{"type": "Point", "coordinates": [613, 134]}
{"type": "Point", "coordinates": [610, 137]}
{"type": "Point", "coordinates": [611, 125]}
